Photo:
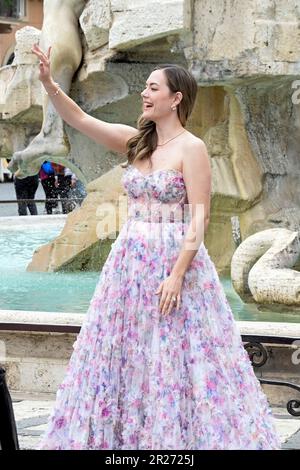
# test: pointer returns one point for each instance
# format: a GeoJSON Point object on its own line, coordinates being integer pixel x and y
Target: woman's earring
{"type": "Point", "coordinates": [173, 108]}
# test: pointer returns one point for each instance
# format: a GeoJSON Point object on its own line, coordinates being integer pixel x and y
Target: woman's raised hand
{"type": "Point", "coordinates": [44, 75]}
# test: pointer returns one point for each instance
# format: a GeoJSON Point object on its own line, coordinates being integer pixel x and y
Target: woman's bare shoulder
{"type": "Point", "coordinates": [193, 141]}
{"type": "Point", "coordinates": [194, 145]}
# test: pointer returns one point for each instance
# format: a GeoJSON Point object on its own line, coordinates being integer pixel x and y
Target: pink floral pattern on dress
{"type": "Point", "coordinates": [137, 380]}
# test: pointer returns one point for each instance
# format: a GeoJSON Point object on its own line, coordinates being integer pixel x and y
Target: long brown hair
{"type": "Point", "coordinates": [144, 143]}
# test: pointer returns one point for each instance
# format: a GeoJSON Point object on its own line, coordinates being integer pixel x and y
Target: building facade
{"type": "Point", "coordinates": [15, 14]}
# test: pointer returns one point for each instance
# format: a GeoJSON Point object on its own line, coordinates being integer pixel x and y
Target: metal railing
{"type": "Point", "coordinates": [258, 355]}
{"type": "Point", "coordinates": [25, 205]}
{"type": "Point", "coordinates": [31, 201]}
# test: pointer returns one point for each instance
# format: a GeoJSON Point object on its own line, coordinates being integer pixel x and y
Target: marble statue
{"type": "Point", "coordinates": [262, 267]}
{"type": "Point", "coordinates": [60, 32]}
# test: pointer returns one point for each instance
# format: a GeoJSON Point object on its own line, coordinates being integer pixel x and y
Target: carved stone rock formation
{"type": "Point", "coordinates": [245, 56]}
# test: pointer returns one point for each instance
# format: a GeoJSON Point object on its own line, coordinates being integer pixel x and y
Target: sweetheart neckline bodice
{"type": "Point", "coordinates": [155, 171]}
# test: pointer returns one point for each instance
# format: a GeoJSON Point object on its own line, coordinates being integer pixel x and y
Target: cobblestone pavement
{"type": "Point", "coordinates": [32, 413]}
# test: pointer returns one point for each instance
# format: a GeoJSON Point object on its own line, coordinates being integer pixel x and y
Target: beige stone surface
{"type": "Point", "coordinates": [25, 39]}
{"type": "Point", "coordinates": [247, 37]}
{"type": "Point", "coordinates": [20, 90]}
{"type": "Point", "coordinates": [269, 328]}
{"type": "Point", "coordinates": [95, 22]}
{"type": "Point", "coordinates": [136, 22]}
{"type": "Point", "coordinates": [36, 362]}
{"type": "Point", "coordinates": [227, 28]}
{"type": "Point", "coordinates": [45, 318]}
{"type": "Point", "coordinates": [245, 57]}
{"type": "Point", "coordinates": [262, 267]}
{"type": "Point", "coordinates": [20, 95]}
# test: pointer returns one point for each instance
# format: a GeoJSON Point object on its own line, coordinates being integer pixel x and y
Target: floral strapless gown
{"type": "Point", "coordinates": [137, 380]}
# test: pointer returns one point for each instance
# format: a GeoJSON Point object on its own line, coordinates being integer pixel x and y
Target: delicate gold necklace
{"type": "Point", "coordinates": [160, 145]}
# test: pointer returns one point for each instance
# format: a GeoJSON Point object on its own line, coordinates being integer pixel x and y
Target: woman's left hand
{"type": "Point", "coordinates": [170, 288]}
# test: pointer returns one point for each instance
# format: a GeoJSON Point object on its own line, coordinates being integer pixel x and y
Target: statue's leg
{"type": "Point", "coordinates": [60, 30]}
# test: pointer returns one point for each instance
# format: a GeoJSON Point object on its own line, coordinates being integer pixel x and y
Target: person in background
{"type": "Point", "coordinates": [25, 189]}
{"type": "Point", "coordinates": [78, 192]}
{"type": "Point", "coordinates": [46, 175]}
{"type": "Point", "coordinates": [71, 182]}
{"type": "Point", "coordinates": [64, 181]}
{"type": "Point", "coordinates": [70, 178]}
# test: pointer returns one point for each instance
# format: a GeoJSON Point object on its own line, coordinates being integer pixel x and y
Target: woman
{"type": "Point", "coordinates": [159, 362]}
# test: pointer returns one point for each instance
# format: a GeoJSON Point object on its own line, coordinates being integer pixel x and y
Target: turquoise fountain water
{"type": "Point", "coordinates": [21, 290]}
{"type": "Point", "coordinates": [72, 292]}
